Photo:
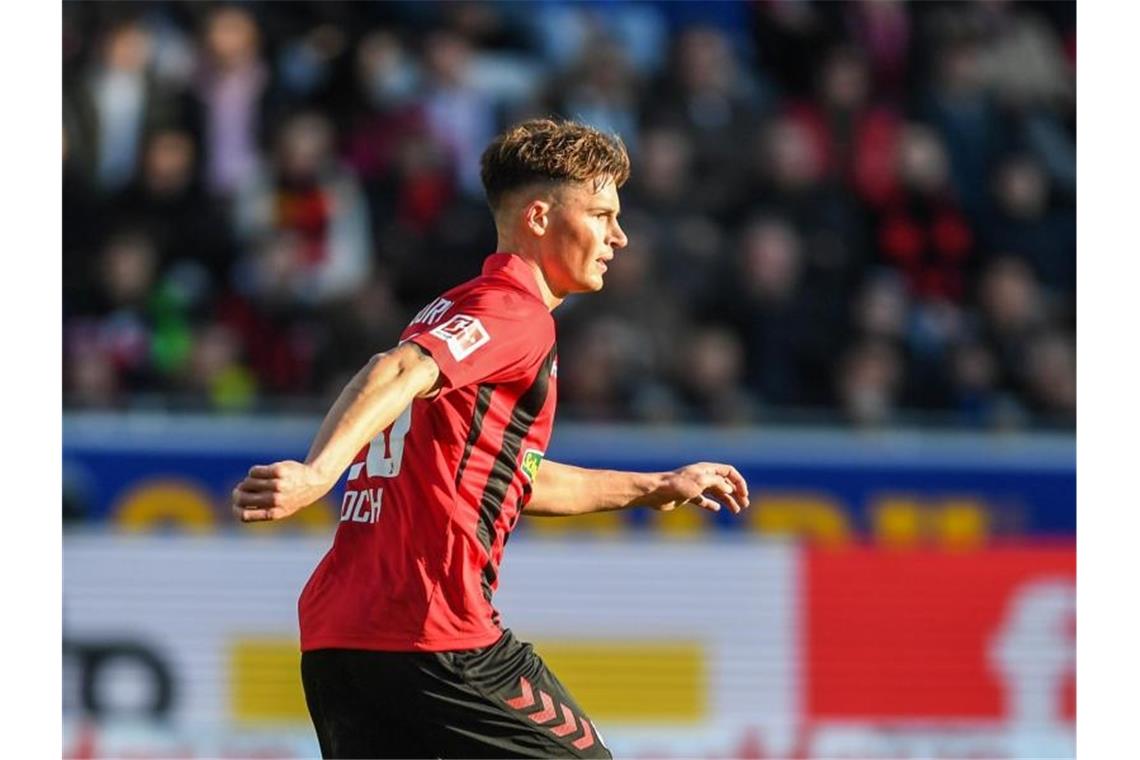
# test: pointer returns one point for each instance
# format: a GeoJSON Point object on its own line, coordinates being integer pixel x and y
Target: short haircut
{"type": "Point", "coordinates": [548, 151]}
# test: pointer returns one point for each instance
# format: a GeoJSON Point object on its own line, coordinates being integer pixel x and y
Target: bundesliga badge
{"type": "Point", "coordinates": [463, 334]}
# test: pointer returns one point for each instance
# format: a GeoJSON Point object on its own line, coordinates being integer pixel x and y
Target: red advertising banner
{"type": "Point", "coordinates": [933, 637]}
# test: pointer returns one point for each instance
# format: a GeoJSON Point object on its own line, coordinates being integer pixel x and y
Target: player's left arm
{"type": "Point", "coordinates": [562, 489]}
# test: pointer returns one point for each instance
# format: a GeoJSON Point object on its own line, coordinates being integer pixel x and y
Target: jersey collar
{"type": "Point", "coordinates": [513, 266]}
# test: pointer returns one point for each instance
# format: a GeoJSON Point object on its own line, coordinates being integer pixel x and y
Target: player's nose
{"type": "Point", "coordinates": [617, 237]}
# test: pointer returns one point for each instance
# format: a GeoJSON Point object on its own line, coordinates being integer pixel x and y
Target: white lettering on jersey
{"type": "Point", "coordinates": [463, 334]}
{"type": "Point", "coordinates": [361, 506]}
{"type": "Point", "coordinates": [432, 313]}
{"type": "Point", "coordinates": [386, 451]}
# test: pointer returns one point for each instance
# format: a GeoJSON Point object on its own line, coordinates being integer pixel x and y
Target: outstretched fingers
{"type": "Point", "coordinates": [724, 484]}
{"type": "Point", "coordinates": [704, 502]}
{"type": "Point", "coordinates": [739, 486]}
{"type": "Point", "coordinates": [723, 491]}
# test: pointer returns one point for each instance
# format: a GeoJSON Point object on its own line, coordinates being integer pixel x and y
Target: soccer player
{"type": "Point", "coordinates": [403, 654]}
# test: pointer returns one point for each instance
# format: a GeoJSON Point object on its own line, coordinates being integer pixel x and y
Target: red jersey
{"type": "Point", "coordinates": [430, 502]}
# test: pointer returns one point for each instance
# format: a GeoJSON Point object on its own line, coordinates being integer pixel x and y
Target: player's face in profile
{"type": "Point", "coordinates": [584, 233]}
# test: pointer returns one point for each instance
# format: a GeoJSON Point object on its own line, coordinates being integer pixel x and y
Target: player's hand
{"type": "Point", "coordinates": [706, 485]}
{"type": "Point", "coordinates": [275, 491]}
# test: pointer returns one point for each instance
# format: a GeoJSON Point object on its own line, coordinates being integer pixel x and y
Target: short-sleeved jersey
{"type": "Point", "coordinates": [430, 502]}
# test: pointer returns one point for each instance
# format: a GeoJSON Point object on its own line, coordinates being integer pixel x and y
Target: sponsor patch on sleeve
{"type": "Point", "coordinates": [463, 334]}
{"type": "Point", "coordinates": [532, 458]}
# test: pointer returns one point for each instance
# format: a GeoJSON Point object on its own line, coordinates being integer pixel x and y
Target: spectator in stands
{"type": "Point", "coordinates": [90, 378]}
{"type": "Point", "coordinates": [974, 384]}
{"type": "Point", "coordinates": [277, 331]}
{"type": "Point", "coordinates": [922, 335]}
{"type": "Point", "coordinates": [565, 32]}
{"type": "Point", "coordinates": [388, 75]}
{"type": "Point", "coordinates": [1025, 61]}
{"type": "Point", "coordinates": [762, 297]}
{"type": "Point", "coordinates": [711, 97]}
{"type": "Point", "coordinates": [853, 137]}
{"type": "Point", "coordinates": [787, 176]}
{"type": "Point", "coordinates": [458, 114]}
{"type": "Point", "coordinates": [1014, 312]}
{"type": "Point", "coordinates": [352, 328]}
{"type": "Point", "coordinates": [110, 340]}
{"type": "Point", "coordinates": [188, 227]}
{"type": "Point", "coordinates": [883, 29]}
{"type": "Point", "coordinates": [233, 84]}
{"type": "Point", "coordinates": [308, 195]}
{"type": "Point", "coordinates": [1051, 377]}
{"type": "Point", "coordinates": [1028, 222]}
{"type": "Point", "coordinates": [883, 309]}
{"type": "Point", "coordinates": [688, 243]}
{"type": "Point", "coordinates": [959, 107]}
{"type": "Point", "coordinates": [922, 232]}
{"type": "Point", "coordinates": [600, 90]}
{"type": "Point", "coordinates": [789, 38]}
{"type": "Point", "coordinates": [870, 376]}
{"type": "Point", "coordinates": [309, 62]}
{"type": "Point", "coordinates": [435, 227]}
{"type": "Point", "coordinates": [764, 214]}
{"type": "Point", "coordinates": [1035, 85]}
{"type": "Point", "coordinates": [216, 372]}
{"type": "Point", "coordinates": [591, 386]}
{"type": "Point", "coordinates": [710, 371]}
{"type": "Point", "coordinates": [662, 186]}
{"type": "Point", "coordinates": [116, 103]}
{"type": "Point", "coordinates": [408, 175]}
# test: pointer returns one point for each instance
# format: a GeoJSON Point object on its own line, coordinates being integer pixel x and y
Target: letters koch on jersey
{"type": "Point", "coordinates": [463, 334]}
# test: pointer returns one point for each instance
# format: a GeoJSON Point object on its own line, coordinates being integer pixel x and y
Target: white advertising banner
{"type": "Point", "coordinates": [189, 645]}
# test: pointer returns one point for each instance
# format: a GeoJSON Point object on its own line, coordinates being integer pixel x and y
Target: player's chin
{"type": "Point", "coordinates": [592, 283]}
{"type": "Point", "coordinates": [588, 280]}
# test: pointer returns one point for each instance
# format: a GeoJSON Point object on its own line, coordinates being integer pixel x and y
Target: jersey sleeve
{"type": "Point", "coordinates": [487, 337]}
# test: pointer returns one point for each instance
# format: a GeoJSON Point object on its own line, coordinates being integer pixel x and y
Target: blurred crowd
{"type": "Point", "coordinates": [859, 212]}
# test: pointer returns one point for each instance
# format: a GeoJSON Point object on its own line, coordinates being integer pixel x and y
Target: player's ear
{"type": "Point", "coordinates": [536, 216]}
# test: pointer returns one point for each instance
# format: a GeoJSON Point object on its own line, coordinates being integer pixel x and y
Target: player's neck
{"type": "Point", "coordinates": [531, 259]}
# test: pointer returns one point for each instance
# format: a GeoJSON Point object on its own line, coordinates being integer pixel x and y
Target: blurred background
{"type": "Point", "coordinates": [851, 272]}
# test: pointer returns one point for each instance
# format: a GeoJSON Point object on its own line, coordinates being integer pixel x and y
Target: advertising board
{"type": "Point", "coordinates": [736, 647]}
{"type": "Point", "coordinates": [154, 473]}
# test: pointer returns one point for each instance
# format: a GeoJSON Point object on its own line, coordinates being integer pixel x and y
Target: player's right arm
{"type": "Point", "coordinates": [371, 401]}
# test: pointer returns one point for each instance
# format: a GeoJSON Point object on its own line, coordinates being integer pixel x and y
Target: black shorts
{"type": "Point", "coordinates": [497, 701]}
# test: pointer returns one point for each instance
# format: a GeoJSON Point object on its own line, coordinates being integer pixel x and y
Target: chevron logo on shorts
{"type": "Point", "coordinates": [526, 699]}
{"type": "Point", "coordinates": [587, 739]}
{"type": "Point", "coordinates": [569, 724]}
{"type": "Point", "coordinates": [547, 711]}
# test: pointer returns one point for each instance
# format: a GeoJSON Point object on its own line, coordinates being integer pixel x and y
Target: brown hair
{"type": "Point", "coordinates": [544, 150]}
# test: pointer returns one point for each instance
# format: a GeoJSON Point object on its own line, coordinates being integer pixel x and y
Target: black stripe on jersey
{"type": "Point", "coordinates": [489, 576]}
{"type": "Point", "coordinates": [482, 403]}
{"type": "Point", "coordinates": [523, 416]}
